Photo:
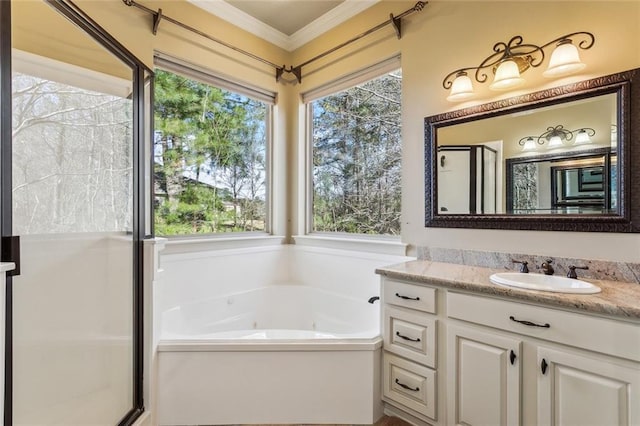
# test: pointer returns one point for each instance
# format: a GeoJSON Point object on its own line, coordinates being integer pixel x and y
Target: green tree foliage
{"type": "Point", "coordinates": [357, 158]}
{"type": "Point", "coordinates": [209, 158]}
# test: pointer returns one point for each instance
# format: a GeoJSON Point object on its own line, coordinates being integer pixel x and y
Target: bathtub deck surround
{"type": "Point", "coordinates": [290, 340]}
{"type": "Point", "coordinates": [461, 350]}
{"type": "Point", "coordinates": [277, 354]}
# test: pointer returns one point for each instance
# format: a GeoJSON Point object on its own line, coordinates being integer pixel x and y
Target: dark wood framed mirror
{"type": "Point", "coordinates": [560, 159]}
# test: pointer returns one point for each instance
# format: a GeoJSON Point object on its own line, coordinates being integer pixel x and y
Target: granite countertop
{"type": "Point", "coordinates": [617, 299]}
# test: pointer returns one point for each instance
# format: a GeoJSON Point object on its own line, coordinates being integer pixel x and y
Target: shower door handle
{"type": "Point", "coordinates": [10, 252]}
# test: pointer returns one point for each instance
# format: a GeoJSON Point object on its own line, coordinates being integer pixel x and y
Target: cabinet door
{"type": "Point", "coordinates": [484, 377]}
{"type": "Point", "coordinates": [574, 389]}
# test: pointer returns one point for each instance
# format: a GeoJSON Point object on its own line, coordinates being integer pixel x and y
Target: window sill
{"type": "Point", "coordinates": [388, 246]}
{"type": "Point", "coordinates": [197, 244]}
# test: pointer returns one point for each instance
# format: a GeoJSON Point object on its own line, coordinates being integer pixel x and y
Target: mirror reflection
{"type": "Point", "coordinates": [558, 159]}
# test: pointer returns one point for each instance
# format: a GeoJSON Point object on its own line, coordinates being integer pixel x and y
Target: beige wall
{"type": "Point", "coordinates": [452, 34]}
{"type": "Point", "coordinates": [446, 35]}
{"type": "Point", "coordinates": [463, 33]}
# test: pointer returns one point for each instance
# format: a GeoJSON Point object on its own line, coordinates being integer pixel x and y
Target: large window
{"type": "Point", "coordinates": [356, 158]}
{"type": "Point", "coordinates": [210, 157]}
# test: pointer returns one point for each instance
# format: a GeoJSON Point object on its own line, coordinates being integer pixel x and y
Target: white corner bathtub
{"type": "Point", "coordinates": [273, 355]}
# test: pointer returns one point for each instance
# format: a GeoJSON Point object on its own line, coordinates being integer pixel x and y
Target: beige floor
{"type": "Point", "coordinates": [385, 421]}
{"type": "Point", "coordinates": [391, 421]}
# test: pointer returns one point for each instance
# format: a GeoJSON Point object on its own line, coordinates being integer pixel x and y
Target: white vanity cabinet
{"type": "Point", "coordinates": [501, 361]}
{"type": "Point", "coordinates": [581, 370]}
{"type": "Point", "coordinates": [483, 381]}
{"type": "Point", "coordinates": [582, 390]}
{"type": "Point", "coordinates": [409, 370]}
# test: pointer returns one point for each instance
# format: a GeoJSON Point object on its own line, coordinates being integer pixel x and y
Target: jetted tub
{"type": "Point", "coordinates": [273, 355]}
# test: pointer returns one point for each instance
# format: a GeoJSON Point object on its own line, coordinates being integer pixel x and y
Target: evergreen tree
{"type": "Point", "coordinates": [203, 145]}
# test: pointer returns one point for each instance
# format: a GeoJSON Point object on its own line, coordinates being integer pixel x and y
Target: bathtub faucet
{"type": "Point", "coordinates": [373, 299]}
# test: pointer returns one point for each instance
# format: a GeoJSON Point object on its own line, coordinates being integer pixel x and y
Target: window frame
{"type": "Point", "coordinates": [307, 234]}
{"type": "Point", "coordinates": [209, 77]}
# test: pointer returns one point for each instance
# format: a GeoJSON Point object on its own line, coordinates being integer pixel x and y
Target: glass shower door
{"type": "Point", "coordinates": [73, 208]}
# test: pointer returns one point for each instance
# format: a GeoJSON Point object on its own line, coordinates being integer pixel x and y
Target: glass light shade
{"type": "Point", "coordinates": [507, 76]}
{"type": "Point", "coordinates": [529, 145]}
{"type": "Point", "coordinates": [582, 137]}
{"type": "Point", "coordinates": [555, 142]}
{"type": "Point", "coordinates": [461, 89]}
{"type": "Point", "coordinates": [565, 60]}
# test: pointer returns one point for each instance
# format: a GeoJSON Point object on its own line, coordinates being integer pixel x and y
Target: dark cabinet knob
{"type": "Point", "coordinates": [543, 366]}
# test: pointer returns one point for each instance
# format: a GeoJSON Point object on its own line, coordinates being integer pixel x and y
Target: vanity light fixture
{"type": "Point", "coordinates": [529, 143]}
{"type": "Point", "coordinates": [511, 59]}
{"type": "Point", "coordinates": [584, 136]}
{"type": "Point", "coordinates": [461, 88]}
{"type": "Point", "coordinates": [555, 137]}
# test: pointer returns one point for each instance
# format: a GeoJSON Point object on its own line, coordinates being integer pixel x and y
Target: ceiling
{"type": "Point", "coordinates": [286, 16]}
{"type": "Point", "coordinates": [285, 23]}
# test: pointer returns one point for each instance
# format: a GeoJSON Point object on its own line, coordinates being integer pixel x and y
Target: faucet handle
{"type": "Point", "coordinates": [524, 268]}
{"type": "Point", "coordinates": [572, 271]}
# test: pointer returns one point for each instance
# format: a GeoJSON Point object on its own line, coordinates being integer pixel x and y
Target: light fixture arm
{"type": "Point", "coordinates": [587, 43]}
{"type": "Point", "coordinates": [525, 55]}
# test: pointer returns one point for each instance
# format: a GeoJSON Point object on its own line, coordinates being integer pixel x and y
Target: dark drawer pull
{"type": "Point", "coordinates": [407, 387]}
{"type": "Point", "coordinates": [529, 323]}
{"type": "Point", "coordinates": [407, 338]}
{"type": "Point", "coordinates": [407, 297]}
{"type": "Point", "coordinates": [512, 357]}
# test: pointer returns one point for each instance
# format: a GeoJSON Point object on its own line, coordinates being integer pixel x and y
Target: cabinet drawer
{"type": "Point", "coordinates": [617, 338]}
{"type": "Point", "coordinates": [410, 385]}
{"type": "Point", "coordinates": [409, 295]}
{"type": "Point", "coordinates": [410, 334]}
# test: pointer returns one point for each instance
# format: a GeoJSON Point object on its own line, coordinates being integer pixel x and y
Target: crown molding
{"type": "Point", "coordinates": [224, 10]}
{"type": "Point", "coordinates": [324, 23]}
{"type": "Point", "coordinates": [336, 16]}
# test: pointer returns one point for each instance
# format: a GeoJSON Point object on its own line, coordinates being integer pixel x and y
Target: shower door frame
{"type": "Point", "coordinates": [139, 70]}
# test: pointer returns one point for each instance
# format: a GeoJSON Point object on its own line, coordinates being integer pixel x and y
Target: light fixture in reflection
{"type": "Point", "coordinates": [529, 144]}
{"type": "Point", "coordinates": [583, 136]}
{"type": "Point", "coordinates": [555, 142]}
{"type": "Point", "coordinates": [557, 137]}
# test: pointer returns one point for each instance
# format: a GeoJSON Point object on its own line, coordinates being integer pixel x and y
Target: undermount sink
{"type": "Point", "coordinates": [544, 283]}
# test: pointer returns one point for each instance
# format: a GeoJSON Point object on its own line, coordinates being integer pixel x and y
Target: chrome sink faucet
{"type": "Point", "coordinates": [547, 269]}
